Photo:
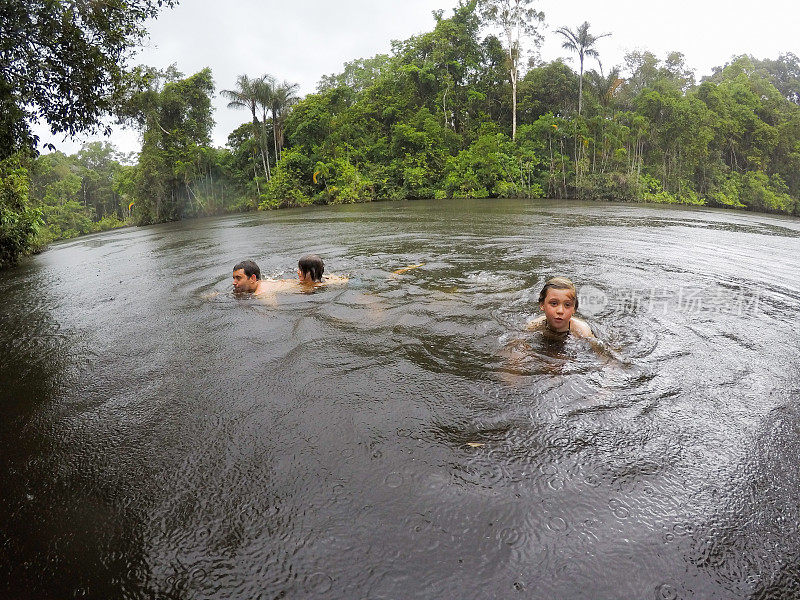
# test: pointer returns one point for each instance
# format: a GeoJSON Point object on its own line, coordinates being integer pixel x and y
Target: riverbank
{"type": "Point", "coordinates": [651, 200]}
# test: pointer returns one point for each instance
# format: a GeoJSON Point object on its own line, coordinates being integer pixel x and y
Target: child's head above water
{"type": "Point", "coordinates": [559, 283]}
{"type": "Point", "coordinates": [559, 301]}
{"type": "Point", "coordinates": [310, 268]}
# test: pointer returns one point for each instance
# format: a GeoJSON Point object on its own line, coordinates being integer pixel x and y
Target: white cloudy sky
{"type": "Point", "coordinates": [302, 40]}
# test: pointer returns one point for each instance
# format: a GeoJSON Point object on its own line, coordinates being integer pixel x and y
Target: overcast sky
{"type": "Point", "coordinates": [302, 40]}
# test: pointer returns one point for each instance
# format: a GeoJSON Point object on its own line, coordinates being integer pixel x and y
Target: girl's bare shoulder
{"type": "Point", "coordinates": [577, 326]}
{"type": "Point", "coordinates": [535, 324]}
{"type": "Point", "coordinates": [580, 327]}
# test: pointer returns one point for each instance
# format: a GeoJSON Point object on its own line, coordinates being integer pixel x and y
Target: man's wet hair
{"type": "Point", "coordinates": [311, 264]}
{"type": "Point", "coordinates": [249, 267]}
{"type": "Point", "coordinates": [559, 283]}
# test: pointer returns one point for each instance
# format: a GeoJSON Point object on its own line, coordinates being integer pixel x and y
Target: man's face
{"type": "Point", "coordinates": [243, 284]}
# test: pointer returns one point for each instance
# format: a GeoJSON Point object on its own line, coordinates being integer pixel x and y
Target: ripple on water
{"type": "Point", "coordinates": [404, 436]}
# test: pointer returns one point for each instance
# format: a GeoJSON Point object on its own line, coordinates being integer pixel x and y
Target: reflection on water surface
{"type": "Point", "coordinates": [403, 436]}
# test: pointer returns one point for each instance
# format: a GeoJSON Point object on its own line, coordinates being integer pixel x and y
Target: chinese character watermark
{"type": "Point", "coordinates": [593, 301]}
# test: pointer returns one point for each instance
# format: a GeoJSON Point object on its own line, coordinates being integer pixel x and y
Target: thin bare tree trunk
{"type": "Point", "coordinates": [255, 173]}
{"type": "Point", "coordinates": [275, 135]}
{"type": "Point", "coordinates": [266, 149]}
{"type": "Point", "coordinates": [444, 106]}
{"type": "Point", "coordinates": [513, 103]}
{"type": "Point", "coordinates": [580, 87]}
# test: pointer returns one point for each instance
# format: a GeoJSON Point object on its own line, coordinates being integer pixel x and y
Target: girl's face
{"type": "Point", "coordinates": [558, 307]}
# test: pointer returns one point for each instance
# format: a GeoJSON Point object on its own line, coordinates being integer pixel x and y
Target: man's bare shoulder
{"type": "Point", "coordinates": [270, 286]}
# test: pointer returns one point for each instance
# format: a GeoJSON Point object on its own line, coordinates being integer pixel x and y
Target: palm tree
{"type": "Point", "coordinates": [604, 86]}
{"type": "Point", "coordinates": [246, 96]}
{"type": "Point", "coordinates": [582, 42]}
{"type": "Point", "coordinates": [283, 98]}
{"type": "Point", "coordinates": [275, 98]}
{"type": "Point", "coordinates": [264, 93]}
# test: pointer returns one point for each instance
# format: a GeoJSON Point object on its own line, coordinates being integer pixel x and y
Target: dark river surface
{"type": "Point", "coordinates": [401, 436]}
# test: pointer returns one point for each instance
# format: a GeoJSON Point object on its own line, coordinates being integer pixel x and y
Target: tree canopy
{"type": "Point", "coordinates": [62, 62]}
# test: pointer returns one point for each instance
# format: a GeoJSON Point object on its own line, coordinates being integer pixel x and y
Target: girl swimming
{"type": "Point", "coordinates": [559, 301]}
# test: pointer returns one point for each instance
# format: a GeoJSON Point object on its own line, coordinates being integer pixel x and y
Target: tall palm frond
{"type": "Point", "coordinates": [246, 96]}
{"type": "Point", "coordinates": [605, 86]}
{"type": "Point", "coordinates": [284, 97]}
{"type": "Point", "coordinates": [582, 42]}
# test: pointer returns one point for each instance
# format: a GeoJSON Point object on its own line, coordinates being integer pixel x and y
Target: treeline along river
{"type": "Point", "coordinates": [402, 436]}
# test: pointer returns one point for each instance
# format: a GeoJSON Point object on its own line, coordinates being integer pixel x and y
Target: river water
{"type": "Point", "coordinates": [401, 436]}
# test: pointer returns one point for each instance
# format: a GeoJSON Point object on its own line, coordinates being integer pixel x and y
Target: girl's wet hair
{"type": "Point", "coordinates": [313, 265]}
{"type": "Point", "coordinates": [559, 283]}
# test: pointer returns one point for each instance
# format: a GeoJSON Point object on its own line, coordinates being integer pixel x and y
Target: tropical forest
{"type": "Point", "coordinates": [465, 110]}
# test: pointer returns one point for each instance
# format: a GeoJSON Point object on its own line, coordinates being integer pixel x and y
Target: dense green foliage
{"type": "Point", "coordinates": [18, 221]}
{"type": "Point", "coordinates": [178, 173]}
{"type": "Point", "coordinates": [433, 119]}
{"type": "Point", "coordinates": [63, 62]}
{"type": "Point", "coordinates": [177, 166]}
{"type": "Point", "coordinates": [77, 194]}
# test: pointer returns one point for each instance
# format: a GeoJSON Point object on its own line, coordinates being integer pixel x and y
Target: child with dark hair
{"type": "Point", "coordinates": [310, 269]}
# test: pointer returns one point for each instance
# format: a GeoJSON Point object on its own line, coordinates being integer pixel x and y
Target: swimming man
{"type": "Point", "coordinates": [247, 278]}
